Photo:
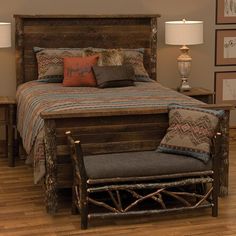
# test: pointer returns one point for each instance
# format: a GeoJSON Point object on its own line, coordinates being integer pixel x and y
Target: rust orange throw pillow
{"type": "Point", "coordinates": [78, 71]}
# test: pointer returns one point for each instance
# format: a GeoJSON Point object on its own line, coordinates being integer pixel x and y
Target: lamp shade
{"type": "Point", "coordinates": [5, 35]}
{"type": "Point", "coordinates": [184, 32]}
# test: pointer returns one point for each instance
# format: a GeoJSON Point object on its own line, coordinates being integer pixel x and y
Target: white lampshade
{"type": "Point", "coordinates": [184, 32]}
{"type": "Point", "coordinates": [5, 35]}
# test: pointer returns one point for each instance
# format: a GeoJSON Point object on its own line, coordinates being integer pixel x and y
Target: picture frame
{"type": "Point", "coordinates": [225, 47]}
{"type": "Point", "coordinates": [225, 87]}
{"type": "Point", "coordinates": [225, 11]}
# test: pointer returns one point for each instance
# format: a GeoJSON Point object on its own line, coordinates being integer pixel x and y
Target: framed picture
{"type": "Point", "coordinates": [225, 11]}
{"type": "Point", "coordinates": [225, 47]}
{"type": "Point", "coordinates": [225, 87]}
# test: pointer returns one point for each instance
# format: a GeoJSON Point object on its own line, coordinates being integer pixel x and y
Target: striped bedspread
{"type": "Point", "coordinates": [34, 97]}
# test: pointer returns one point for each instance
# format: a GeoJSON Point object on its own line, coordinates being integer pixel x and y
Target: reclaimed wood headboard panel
{"type": "Point", "coordinates": [111, 31]}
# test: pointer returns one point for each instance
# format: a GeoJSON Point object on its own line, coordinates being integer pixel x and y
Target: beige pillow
{"type": "Point", "coordinates": [190, 131]}
{"type": "Point", "coordinates": [50, 62]}
{"type": "Point", "coordinates": [107, 57]}
{"type": "Point", "coordinates": [134, 57]}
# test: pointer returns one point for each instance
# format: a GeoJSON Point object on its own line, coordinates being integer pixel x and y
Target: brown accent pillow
{"type": "Point", "coordinates": [114, 76]}
{"type": "Point", "coordinates": [78, 71]}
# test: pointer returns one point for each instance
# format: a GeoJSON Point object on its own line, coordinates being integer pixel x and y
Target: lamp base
{"type": "Point", "coordinates": [184, 66]}
{"type": "Point", "coordinates": [184, 86]}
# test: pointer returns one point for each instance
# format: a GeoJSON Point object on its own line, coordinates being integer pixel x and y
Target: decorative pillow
{"type": "Point", "coordinates": [51, 80]}
{"type": "Point", "coordinates": [114, 76]}
{"type": "Point", "coordinates": [107, 57]}
{"type": "Point", "coordinates": [78, 71]}
{"type": "Point", "coordinates": [50, 62]}
{"type": "Point", "coordinates": [190, 131]}
{"type": "Point", "coordinates": [134, 57]}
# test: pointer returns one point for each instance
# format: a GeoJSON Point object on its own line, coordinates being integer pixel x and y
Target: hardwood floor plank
{"type": "Point", "coordinates": [22, 212]}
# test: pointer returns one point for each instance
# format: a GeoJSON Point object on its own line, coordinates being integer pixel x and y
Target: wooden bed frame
{"type": "Point", "coordinates": [100, 131]}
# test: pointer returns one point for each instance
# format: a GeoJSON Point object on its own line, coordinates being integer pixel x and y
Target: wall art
{"type": "Point", "coordinates": [225, 87]}
{"type": "Point", "coordinates": [225, 11]}
{"type": "Point", "coordinates": [225, 47]}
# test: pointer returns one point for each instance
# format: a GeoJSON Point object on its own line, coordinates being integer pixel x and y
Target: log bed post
{"type": "Point", "coordinates": [51, 167]}
{"type": "Point", "coordinates": [19, 50]}
{"type": "Point", "coordinates": [224, 162]}
{"type": "Point", "coordinates": [153, 46]}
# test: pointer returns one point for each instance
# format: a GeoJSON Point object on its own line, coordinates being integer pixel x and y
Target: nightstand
{"type": "Point", "coordinates": [7, 110]}
{"type": "Point", "coordinates": [201, 94]}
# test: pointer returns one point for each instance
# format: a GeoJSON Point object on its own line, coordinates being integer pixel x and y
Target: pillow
{"type": "Point", "coordinates": [116, 57]}
{"type": "Point", "coordinates": [51, 80]}
{"type": "Point", "coordinates": [134, 57]}
{"type": "Point", "coordinates": [78, 71]}
{"type": "Point", "coordinates": [114, 76]}
{"type": "Point", "coordinates": [107, 57]}
{"type": "Point", "coordinates": [50, 62]}
{"type": "Point", "coordinates": [190, 131]}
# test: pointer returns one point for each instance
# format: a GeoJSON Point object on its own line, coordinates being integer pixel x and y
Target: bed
{"type": "Point", "coordinates": [132, 126]}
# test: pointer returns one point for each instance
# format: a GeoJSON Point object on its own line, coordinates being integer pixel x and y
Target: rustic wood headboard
{"type": "Point", "coordinates": [111, 31]}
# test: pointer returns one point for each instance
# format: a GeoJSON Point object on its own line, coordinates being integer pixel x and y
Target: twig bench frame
{"type": "Point", "coordinates": [155, 187]}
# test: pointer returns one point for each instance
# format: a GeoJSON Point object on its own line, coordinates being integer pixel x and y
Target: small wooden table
{"type": "Point", "coordinates": [201, 94]}
{"type": "Point", "coordinates": [7, 107]}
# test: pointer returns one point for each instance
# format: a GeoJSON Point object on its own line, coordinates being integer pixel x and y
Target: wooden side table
{"type": "Point", "coordinates": [201, 94]}
{"type": "Point", "coordinates": [7, 107]}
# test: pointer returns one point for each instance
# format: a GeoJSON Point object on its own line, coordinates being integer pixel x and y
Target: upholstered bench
{"type": "Point", "coordinates": [140, 164]}
{"type": "Point", "coordinates": [181, 174]}
{"type": "Point", "coordinates": [170, 182]}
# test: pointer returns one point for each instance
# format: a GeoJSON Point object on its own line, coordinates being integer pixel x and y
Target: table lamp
{"type": "Point", "coordinates": [5, 35]}
{"type": "Point", "coordinates": [184, 33]}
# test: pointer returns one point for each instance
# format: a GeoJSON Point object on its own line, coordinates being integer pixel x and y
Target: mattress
{"type": "Point", "coordinates": [35, 97]}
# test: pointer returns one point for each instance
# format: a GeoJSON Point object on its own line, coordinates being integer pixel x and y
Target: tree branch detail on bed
{"type": "Point", "coordinates": [137, 126]}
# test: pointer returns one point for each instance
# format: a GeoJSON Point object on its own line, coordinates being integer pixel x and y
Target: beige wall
{"type": "Point", "coordinates": [203, 55]}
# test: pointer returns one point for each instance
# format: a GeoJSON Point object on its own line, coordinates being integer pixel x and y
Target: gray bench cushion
{"type": "Point", "coordinates": [146, 163]}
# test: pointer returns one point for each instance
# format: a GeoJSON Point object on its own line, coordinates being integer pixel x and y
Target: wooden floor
{"type": "Point", "coordinates": [22, 212]}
